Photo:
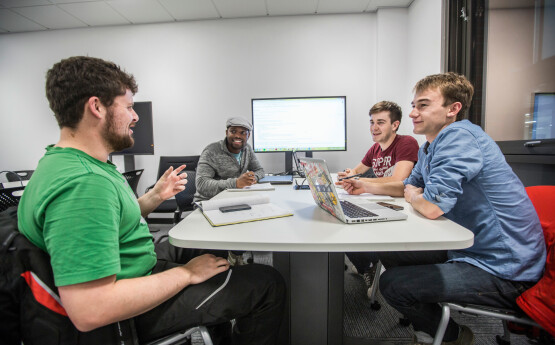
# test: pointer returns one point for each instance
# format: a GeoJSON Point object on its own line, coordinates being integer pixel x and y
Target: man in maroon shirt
{"type": "Point", "coordinates": [391, 158]}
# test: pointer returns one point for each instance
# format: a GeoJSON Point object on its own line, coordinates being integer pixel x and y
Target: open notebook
{"type": "Point", "coordinates": [261, 209]}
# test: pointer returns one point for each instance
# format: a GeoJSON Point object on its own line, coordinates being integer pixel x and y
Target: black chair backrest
{"type": "Point", "coordinates": [21, 174]}
{"type": "Point", "coordinates": [184, 199]}
{"type": "Point", "coordinates": [18, 175]}
{"type": "Point", "coordinates": [133, 178]}
{"type": "Point", "coordinates": [176, 161]}
{"type": "Point", "coordinates": [10, 197]}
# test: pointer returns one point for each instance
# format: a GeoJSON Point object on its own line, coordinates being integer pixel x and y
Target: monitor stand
{"type": "Point", "coordinates": [289, 161]}
{"type": "Point", "coordinates": [129, 162]}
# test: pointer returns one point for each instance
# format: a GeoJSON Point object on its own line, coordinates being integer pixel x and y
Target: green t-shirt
{"type": "Point", "coordinates": [84, 214]}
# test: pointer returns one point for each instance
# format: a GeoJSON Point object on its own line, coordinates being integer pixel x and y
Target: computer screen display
{"type": "Point", "coordinates": [544, 116]}
{"type": "Point", "coordinates": [299, 124]}
{"type": "Point", "coordinates": [142, 132]}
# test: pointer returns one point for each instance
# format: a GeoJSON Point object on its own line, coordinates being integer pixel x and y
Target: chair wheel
{"type": "Point", "coordinates": [502, 341]}
{"type": "Point", "coordinates": [403, 321]}
{"type": "Point", "coordinates": [375, 306]}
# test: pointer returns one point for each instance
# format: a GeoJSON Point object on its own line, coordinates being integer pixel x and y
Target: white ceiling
{"type": "Point", "coordinates": [40, 15]}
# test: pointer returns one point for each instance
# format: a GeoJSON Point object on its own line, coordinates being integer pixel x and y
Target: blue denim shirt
{"type": "Point", "coordinates": [465, 174]}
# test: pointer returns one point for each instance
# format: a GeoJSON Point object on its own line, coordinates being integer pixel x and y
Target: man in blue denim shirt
{"type": "Point", "coordinates": [461, 174]}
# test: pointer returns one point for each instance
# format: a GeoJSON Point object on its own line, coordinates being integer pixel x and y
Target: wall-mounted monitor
{"type": "Point", "coordinates": [142, 132]}
{"type": "Point", "coordinates": [544, 116]}
{"type": "Point", "coordinates": [299, 124]}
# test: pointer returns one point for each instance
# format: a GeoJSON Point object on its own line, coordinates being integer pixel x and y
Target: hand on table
{"type": "Point", "coordinates": [247, 179]}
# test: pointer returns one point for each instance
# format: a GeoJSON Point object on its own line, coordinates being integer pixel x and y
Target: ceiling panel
{"type": "Point", "coordinates": [14, 22]}
{"type": "Point", "coordinates": [94, 13]}
{"type": "Point", "coordinates": [241, 8]}
{"type": "Point", "coordinates": [142, 11]}
{"type": "Point", "coordinates": [190, 9]}
{"type": "Point", "coordinates": [23, 3]}
{"type": "Point", "coordinates": [291, 7]}
{"type": "Point", "coordinates": [51, 17]}
{"type": "Point", "coordinates": [36, 15]}
{"type": "Point", "coordinates": [343, 6]}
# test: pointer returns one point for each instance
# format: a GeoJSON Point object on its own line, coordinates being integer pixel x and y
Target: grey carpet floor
{"type": "Point", "coordinates": [360, 321]}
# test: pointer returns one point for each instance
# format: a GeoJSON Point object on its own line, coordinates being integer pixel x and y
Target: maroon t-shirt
{"type": "Point", "coordinates": [403, 148]}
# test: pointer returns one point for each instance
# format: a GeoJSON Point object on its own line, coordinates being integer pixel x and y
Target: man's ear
{"type": "Point", "coordinates": [454, 110]}
{"type": "Point", "coordinates": [395, 125]}
{"type": "Point", "coordinates": [95, 107]}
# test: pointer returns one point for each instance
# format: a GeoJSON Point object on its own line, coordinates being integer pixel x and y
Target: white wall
{"type": "Point", "coordinates": [199, 73]}
{"type": "Point", "coordinates": [423, 55]}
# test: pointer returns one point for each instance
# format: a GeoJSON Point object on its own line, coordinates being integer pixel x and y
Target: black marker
{"type": "Point", "coordinates": [348, 177]}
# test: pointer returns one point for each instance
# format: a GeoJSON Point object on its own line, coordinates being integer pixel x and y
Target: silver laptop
{"type": "Point", "coordinates": [324, 193]}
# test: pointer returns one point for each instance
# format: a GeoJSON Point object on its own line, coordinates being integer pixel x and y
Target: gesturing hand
{"type": "Point", "coordinates": [170, 183]}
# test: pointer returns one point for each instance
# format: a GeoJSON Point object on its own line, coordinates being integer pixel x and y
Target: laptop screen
{"type": "Point", "coordinates": [321, 185]}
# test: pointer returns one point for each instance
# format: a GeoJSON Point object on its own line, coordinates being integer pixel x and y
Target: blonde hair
{"type": "Point", "coordinates": [453, 87]}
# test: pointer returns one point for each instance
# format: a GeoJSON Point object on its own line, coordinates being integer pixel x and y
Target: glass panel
{"type": "Point", "coordinates": [520, 70]}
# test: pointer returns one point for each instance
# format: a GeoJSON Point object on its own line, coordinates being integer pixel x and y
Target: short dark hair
{"type": "Point", "coordinates": [395, 112]}
{"type": "Point", "coordinates": [72, 81]}
{"type": "Point", "coordinates": [454, 88]}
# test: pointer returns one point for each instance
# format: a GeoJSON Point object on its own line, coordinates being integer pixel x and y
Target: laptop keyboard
{"type": "Point", "coordinates": [353, 211]}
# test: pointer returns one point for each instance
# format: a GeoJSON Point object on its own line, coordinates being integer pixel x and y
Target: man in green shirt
{"type": "Point", "coordinates": [81, 211]}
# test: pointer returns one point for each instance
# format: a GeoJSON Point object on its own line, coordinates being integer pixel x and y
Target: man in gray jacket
{"type": "Point", "coordinates": [228, 163]}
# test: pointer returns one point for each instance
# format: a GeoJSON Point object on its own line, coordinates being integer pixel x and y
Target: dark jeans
{"type": "Point", "coordinates": [254, 296]}
{"type": "Point", "coordinates": [415, 282]}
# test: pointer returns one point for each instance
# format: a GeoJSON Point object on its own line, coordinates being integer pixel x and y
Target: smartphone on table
{"type": "Point", "coordinates": [234, 208]}
{"type": "Point", "coordinates": [391, 206]}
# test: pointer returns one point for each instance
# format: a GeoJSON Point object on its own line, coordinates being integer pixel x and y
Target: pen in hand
{"type": "Point", "coordinates": [348, 177]}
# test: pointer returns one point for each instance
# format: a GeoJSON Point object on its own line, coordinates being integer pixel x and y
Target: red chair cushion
{"type": "Point", "coordinates": [539, 301]}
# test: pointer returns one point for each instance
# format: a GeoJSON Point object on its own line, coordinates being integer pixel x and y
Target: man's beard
{"type": "Point", "coordinates": [115, 141]}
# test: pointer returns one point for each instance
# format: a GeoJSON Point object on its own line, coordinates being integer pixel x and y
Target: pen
{"type": "Point", "coordinates": [352, 176]}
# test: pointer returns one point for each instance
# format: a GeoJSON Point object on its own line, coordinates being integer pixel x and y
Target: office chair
{"type": "Point", "coordinates": [18, 175]}
{"type": "Point", "coordinates": [185, 198]}
{"type": "Point", "coordinates": [133, 178]}
{"type": "Point", "coordinates": [10, 197]}
{"type": "Point", "coordinates": [374, 303]}
{"type": "Point", "coordinates": [170, 206]}
{"type": "Point", "coordinates": [31, 304]}
{"type": "Point", "coordinates": [180, 337]}
{"type": "Point", "coordinates": [543, 198]}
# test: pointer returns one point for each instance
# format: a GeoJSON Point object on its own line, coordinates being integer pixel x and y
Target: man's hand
{"type": "Point", "coordinates": [247, 179]}
{"type": "Point", "coordinates": [412, 192]}
{"type": "Point", "coordinates": [205, 267]}
{"type": "Point", "coordinates": [415, 196]}
{"type": "Point", "coordinates": [170, 183]}
{"type": "Point", "coordinates": [106, 300]}
{"type": "Point", "coordinates": [167, 186]}
{"type": "Point", "coordinates": [343, 174]}
{"type": "Point", "coordinates": [354, 186]}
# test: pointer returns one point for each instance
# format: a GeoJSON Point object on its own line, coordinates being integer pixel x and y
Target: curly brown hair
{"type": "Point", "coordinates": [454, 88]}
{"type": "Point", "coordinates": [72, 81]}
